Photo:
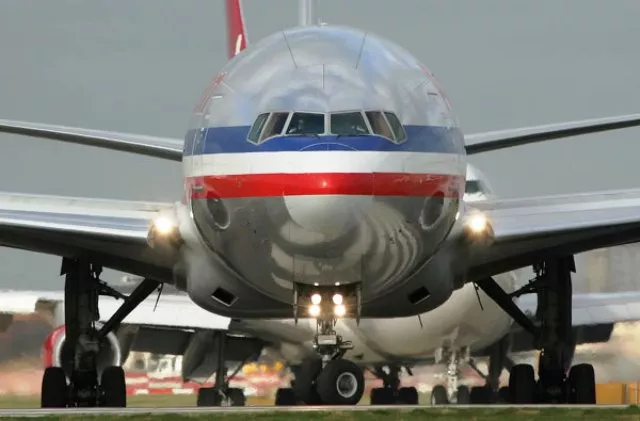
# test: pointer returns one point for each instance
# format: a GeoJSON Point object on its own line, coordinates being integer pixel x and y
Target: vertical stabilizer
{"type": "Point", "coordinates": [307, 12]}
{"type": "Point", "coordinates": [236, 34]}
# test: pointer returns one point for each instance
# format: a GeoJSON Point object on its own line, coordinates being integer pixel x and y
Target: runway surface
{"type": "Point", "coordinates": [254, 409]}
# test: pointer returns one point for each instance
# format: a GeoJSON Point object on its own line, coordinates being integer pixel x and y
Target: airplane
{"type": "Point", "coordinates": [324, 176]}
{"type": "Point", "coordinates": [173, 324]}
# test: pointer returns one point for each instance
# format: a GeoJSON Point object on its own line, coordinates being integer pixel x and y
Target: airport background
{"type": "Point", "coordinates": [617, 362]}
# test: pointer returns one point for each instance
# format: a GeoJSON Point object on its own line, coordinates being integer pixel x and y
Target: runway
{"type": "Point", "coordinates": [255, 409]}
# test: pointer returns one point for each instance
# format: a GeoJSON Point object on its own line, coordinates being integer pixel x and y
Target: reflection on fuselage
{"type": "Point", "coordinates": [322, 156]}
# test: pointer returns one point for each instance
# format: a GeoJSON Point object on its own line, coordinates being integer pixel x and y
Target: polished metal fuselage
{"type": "Point", "coordinates": [256, 246]}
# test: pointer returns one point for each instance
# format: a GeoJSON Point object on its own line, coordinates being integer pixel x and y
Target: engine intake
{"type": "Point", "coordinates": [56, 352]}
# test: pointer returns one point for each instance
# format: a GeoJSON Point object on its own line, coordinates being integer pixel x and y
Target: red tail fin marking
{"type": "Point", "coordinates": [236, 35]}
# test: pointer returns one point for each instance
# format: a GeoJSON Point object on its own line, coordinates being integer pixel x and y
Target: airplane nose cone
{"type": "Point", "coordinates": [327, 214]}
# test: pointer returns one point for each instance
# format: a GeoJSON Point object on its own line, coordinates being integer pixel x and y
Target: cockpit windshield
{"type": "Point", "coordinates": [349, 124]}
{"type": "Point", "coordinates": [306, 124]}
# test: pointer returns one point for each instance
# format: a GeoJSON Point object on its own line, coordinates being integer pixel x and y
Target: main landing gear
{"type": "Point", "coordinates": [558, 381]}
{"type": "Point", "coordinates": [221, 394]}
{"type": "Point", "coordinates": [82, 381]}
{"type": "Point", "coordinates": [391, 393]}
{"type": "Point", "coordinates": [326, 379]}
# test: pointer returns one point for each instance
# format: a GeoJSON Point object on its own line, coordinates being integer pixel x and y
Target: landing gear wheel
{"type": "Point", "coordinates": [306, 375]}
{"type": "Point", "coordinates": [341, 382]}
{"type": "Point", "coordinates": [382, 396]}
{"type": "Point", "coordinates": [503, 395]}
{"type": "Point", "coordinates": [583, 384]}
{"type": "Point", "coordinates": [285, 397]}
{"type": "Point", "coordinates": [480, 395]}
{"type": "Point", "coordinates": [236, 396]}
{"type": "Point", "coordinates": [208, 396]}
{"type": "Point", "coordinates": [464, 395]}
{"type": "Point", "coordinates": [54, 388]}
{"type": "Point", "coordinates": [522, 384]}
{"type": "Point", "coordinates": [407, 396]}
{"type": "Point", "coordinates": [439, 396]}
{"type": "Point", "coordinates": [114, 388]}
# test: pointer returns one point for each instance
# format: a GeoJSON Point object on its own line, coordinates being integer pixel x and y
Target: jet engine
{"type": "Point", "coordinates": [56, 352]}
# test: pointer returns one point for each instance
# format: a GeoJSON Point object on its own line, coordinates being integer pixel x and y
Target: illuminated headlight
{"type": "Point", "coordinates": [164, 232]}
{"type": "Point", "coordinates": [340, 310]}
{"type": "Point", "coordinates": [337, 299]}
{"type": "Point", "coordinates": [478, 223]}
{"type": "Point", "coordinates": [164, 225]}
{"type": "Point", "coordinates": [316, 299]}
{"type": "Point", "coordinates": [314, 310]}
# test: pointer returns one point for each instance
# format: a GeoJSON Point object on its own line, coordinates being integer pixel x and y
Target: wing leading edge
{"type": "Point", "coordinates": [527, 230]}
{"type": "Point", "coordinates": [110, 232]}
{"type": "Point", "coordinates": [158, 147]}
{"type": "Point", "coordinates": [501, 139]}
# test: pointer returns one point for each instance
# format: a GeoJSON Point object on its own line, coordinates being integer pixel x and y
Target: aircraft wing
{"type": "Point", "coordinates": [501, 139]}
{"type": "Point", "coordinates": [110, 232]}
{"type": "Point", "coordinates": [526, 230]}
{"type": "Point", "coordinates": [159, 147]}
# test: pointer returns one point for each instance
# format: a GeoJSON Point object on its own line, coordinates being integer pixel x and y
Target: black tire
{"type": "Point", "coordinates": [522, 384]}
{"type": "Point", "coordinates": [54, 391]}
{"type": "Point", "coordinates": [114, 387]}
{"type": "Point", "coordinates": [341, 382]}
{"type": "Point", "coordinates": [407, 396]}
{"type": "Point", "coordinates": [236, 396]}
{"type": "Point", "coordinates": [582, 381]}
{"type": "Point", "coordinates": [463, 396]}
{"type": "Point", "coordinates": [382, 396]}
{"type": "Point", "coordinates": [439, 396]}
{"type": "Point", "coordinates": [208, 396]}
{"type": "Point", "coordinates": [480, 395]}
{"type": "Point", "coordinates": [304, 384]}
{"type": "Point", "coordinates": [503, 395]}
{"type": "Point", "coordinates": [286, 397]}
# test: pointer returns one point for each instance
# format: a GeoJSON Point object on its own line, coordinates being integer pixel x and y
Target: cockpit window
{"type": "Point", "coordinates": [349, 124]}
{"type": "Point", "coordinates": [306, 124]}
{"type": "Point", "coordinates": [396, 126]}
{"type": "Point", "coordinates": [258, 125]}
{"type": "Point", "coordinates": [473, 187]}
{"type": "Point", "coordinates": [379, 124]}
{"type": "Point", "coordinates": [274, 125]}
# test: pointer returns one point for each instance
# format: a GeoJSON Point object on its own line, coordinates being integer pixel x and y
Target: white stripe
{"type": "Point", "coordinates": [323, 162]}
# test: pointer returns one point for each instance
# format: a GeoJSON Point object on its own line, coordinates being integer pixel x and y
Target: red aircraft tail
{"type": "Point", "coordinates": [236, 34]}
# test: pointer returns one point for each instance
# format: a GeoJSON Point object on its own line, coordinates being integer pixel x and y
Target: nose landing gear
{"type": "Point", "coordinates": [326, 378]}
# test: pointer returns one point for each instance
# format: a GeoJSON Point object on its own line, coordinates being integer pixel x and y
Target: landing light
{"type": "Point", "coordinates": [164, 225]}
{"type": "Point", "coordinates": [340, 310]}
{"type": "Point", "coordinates": [314, 310]}
{"type": "Point", "coordinates": [316, 299]}
{"type": "Point", "coordinates": [478, 223]}
{"type": "Point", "coordinates": [337, 299]}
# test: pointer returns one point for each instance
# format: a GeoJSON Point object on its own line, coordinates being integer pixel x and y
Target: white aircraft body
{"type": "Point", "coordinates": [324, 203]}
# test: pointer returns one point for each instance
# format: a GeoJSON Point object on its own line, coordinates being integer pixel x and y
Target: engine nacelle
{"type": "Point", "coordinates": [57, 353]}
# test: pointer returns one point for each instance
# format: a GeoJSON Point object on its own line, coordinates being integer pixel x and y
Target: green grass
{"type": "Point", "coordinates": [393, 415]}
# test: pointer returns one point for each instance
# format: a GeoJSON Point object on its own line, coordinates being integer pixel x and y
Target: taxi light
{"type": "Point", "coordinates": [314, 310]}
{"type": "Point", "coordinates": [316, 299]}
{"type": "Point", "coordinates": [337, 299]}
{"type": "Point", "coordinates": [340, 310]}
{"type": "Point", "coordinates": [164, 225]}
{"type": "Point", "coordinates": [478, 223]}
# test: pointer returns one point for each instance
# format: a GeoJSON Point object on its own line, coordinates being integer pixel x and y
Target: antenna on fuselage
{"type": "Point", "coordinates": [307, 12]}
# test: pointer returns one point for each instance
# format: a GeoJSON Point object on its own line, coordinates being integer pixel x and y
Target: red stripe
{"type": "Point", "coordinates": [362, 184]}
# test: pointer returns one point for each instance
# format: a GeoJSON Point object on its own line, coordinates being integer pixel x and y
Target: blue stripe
{"type": "Point", "coordinates": [234, 140]}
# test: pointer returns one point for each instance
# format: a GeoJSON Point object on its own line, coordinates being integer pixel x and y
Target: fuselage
{"type": "Point", "coordinates": [469, 318]}
{"type": "Point", "coordinates": [322, 156]}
